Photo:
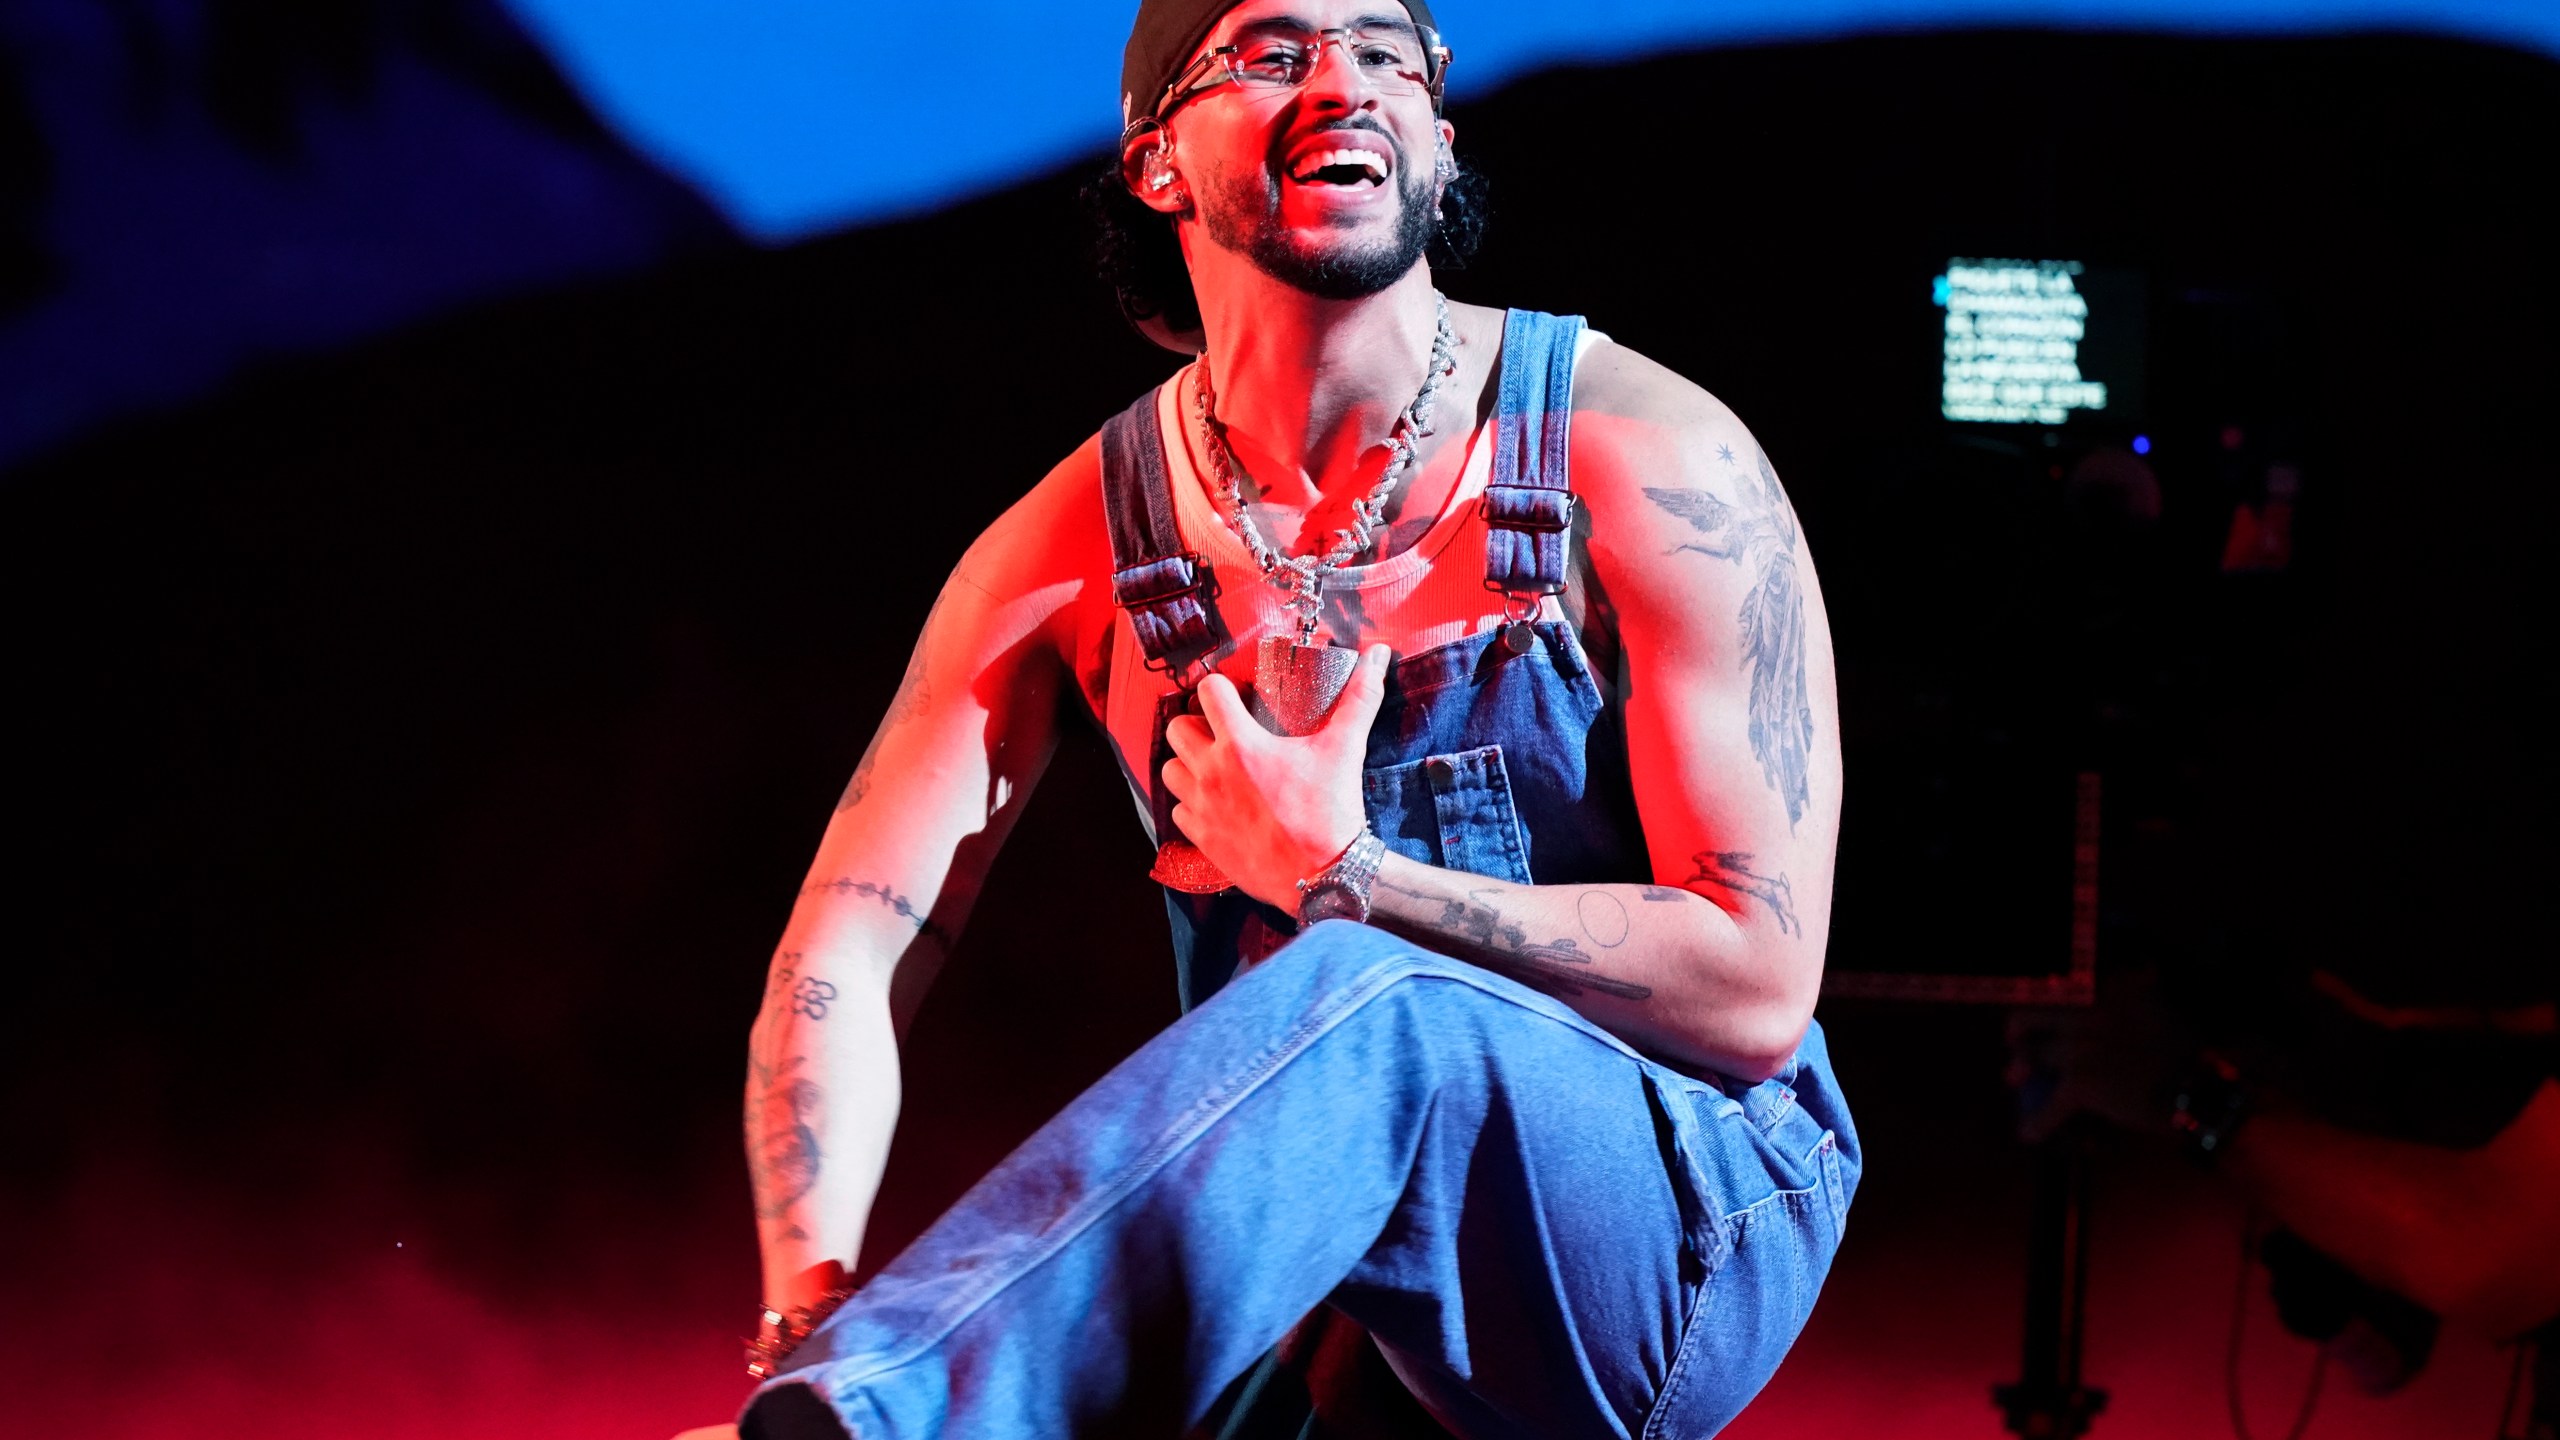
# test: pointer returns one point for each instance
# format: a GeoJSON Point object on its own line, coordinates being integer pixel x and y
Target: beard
{"type": "Point", "coordinates": [1244, 216]}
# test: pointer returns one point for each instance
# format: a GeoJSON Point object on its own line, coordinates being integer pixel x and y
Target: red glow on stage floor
{"type": "Point", "coordinates": [140, 1311]}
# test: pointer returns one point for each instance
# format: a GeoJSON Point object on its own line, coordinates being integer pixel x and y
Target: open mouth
{"type": "Point", "coordinates": [1348, 165]}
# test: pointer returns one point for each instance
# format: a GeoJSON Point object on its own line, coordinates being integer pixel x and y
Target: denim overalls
{"type": "Point", "coordinates": [1548, 1234]}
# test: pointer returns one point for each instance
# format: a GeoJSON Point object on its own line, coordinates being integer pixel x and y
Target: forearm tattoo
{"type": "Point", "coordinates": [792, 993]}
{"type": "Point", "coordinates": [1559, 966]}
{"type": "Point", "coordinates": [1603, 917]}
{"type": "Point", "coordinates": [784, 1108]}
{"type": "Point", "coordinates": [1759, 531]}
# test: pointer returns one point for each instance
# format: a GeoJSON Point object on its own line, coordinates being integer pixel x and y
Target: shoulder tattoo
{"type": "Point", "coordinates": [1757, 531]}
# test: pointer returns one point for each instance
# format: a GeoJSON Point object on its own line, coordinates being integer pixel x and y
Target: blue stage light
{"type": "Point", "coordinates": [2141, 444]}
{"type": "Point", "coordinates": [797, 116]}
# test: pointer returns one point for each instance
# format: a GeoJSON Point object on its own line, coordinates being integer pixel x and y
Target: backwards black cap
{"type": "Point", "coordinates": [1168, 33]}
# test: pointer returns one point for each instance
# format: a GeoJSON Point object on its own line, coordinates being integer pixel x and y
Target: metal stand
{"type": "Point", "coordinates": [2049, 1402]}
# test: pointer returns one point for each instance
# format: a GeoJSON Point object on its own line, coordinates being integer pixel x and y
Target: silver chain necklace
{"type": "Point", "coordinates": [1303, 576]}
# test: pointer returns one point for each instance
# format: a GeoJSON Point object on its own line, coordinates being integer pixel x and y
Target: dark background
{"type": "Point", "coordinates": [422, 735]}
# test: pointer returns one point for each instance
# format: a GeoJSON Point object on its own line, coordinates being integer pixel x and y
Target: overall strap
{"type": "Point", "coordinates": [1528, 503]}
{"type": "Point", "coordinates": [1166, 589]}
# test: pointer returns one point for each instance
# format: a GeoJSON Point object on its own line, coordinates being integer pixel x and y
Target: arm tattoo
{"type": "Point", "coordinates": [1551, 968]}
{"type": "Point", "coordinates": [915, 692]}
{"type": "Point", "coordinates": [783, 1110]}
{"type": "Point", "coordinates": [1603, 918]}
{"type": "Point", "coordinates": [860, 784]}
{"type": "Point", "coordinates": [778, 989]}
{"type": "Point", "coordinates": [1731, 870]}
{"type": "Point", "coordinates": [847, 885]}
{"type": "Point", "coordinates": [1558, 967]}
{"type": "Point", "coordinates": [1761, 532]}
{"type": "Point", "coordinates": [1663, 894]}
{"type": "Point", "coordinates": [811, 996]}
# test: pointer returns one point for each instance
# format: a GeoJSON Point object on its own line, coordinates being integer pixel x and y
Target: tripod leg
{"type": "Point", "coordinates": [2048, 1402]}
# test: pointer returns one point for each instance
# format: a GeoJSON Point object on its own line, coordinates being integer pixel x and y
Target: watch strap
{"type": "Point", "coordinates": [1349, 878]}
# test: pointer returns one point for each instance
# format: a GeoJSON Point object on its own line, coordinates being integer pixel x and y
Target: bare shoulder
{"type": "Point", "coordinates": [1618, 380]}
{"type": "Point", "coordinates": [1667, 469]}
{"type": "Point", "coordinates": [1045, 564]}
{"type": "Point", "coordinates": [1727, 647]}
{"type": "Point", "coordinates": [1638, 423]}
{"type": "Point", "coordinates": [1054, 533]}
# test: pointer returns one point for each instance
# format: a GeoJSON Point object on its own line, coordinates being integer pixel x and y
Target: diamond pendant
{"type": "Point", "coordinates": [1294, 687]}
{"type": "Point", "coordinates": [1295, 684]}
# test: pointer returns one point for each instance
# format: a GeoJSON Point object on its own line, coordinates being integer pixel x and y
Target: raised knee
{"type": "Point", "coordinates": [1341, 941]}
{"type": "Point", "coordinates": [1339, 956]}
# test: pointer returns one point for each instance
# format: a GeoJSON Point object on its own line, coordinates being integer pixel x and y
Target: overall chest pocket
{"type": "Point", "coordinates": [1451, 810]}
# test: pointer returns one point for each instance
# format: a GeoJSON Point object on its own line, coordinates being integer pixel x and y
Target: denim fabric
{"type": "Point", "coordinates": [1549, 1234]}
{"type": "Point", "coordinates": [1503, 765]}
{"type": "Point", "coordinates": [1564, 757]}
{"type": "Point", "coordinates": [1520, 764]}
{"type": "Point", "coordinates": [1546, 1233]}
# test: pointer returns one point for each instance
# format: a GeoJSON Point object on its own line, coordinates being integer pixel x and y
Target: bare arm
{"type": "Point", "coordinates": [2473, 1235]}
{"type": "Point", "coordinates": [901, 862]}
{"type": "Point", "coordinates": [1732, 745]}
{"type": "Point", "coordinates": [1657, 965]}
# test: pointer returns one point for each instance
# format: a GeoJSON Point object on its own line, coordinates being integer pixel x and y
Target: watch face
{"type": "Point", "coordinates": [1331, 902]}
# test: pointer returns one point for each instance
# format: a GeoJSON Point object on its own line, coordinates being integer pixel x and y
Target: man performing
{"type": "Point", "coordinates": [1532, 1109]}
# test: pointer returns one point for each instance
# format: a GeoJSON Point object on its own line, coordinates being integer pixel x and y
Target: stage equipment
{"type": "Point", "coordinates": [2048, 1402]}
{"type": "Point", "coordinates": [1989, 790]}
{"type": "Point", "coordinates": [2038, 342]}
{"type": "Point", "coordinates": [1982, 675]}
{"type": "Point", "coordinates": [2212, 1102]}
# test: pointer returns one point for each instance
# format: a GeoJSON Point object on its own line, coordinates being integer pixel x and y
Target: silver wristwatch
{"type": "Point", "coordinates": [1340, 891]}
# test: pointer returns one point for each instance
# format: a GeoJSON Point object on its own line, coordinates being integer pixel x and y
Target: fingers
{"type": "Point", "coordinates": [1366, 691]}
{"type": "Point", "coordinates": [1224, 709]}
{"type": "Point", "coordinates": [1187, 735]}
{"type": "Point", "coordinates": [1177, 779]}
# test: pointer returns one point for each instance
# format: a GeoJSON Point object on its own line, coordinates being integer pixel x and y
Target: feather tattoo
{"type": "Point", "coordinates": [1760, 531]}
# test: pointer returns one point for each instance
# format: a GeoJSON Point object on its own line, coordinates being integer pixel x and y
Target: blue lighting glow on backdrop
{"type": "Point", "coordinates": [802, 115]}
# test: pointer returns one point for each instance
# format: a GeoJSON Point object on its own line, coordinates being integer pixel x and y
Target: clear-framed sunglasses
{"type": "Point", "coordinates": [1392, 59]}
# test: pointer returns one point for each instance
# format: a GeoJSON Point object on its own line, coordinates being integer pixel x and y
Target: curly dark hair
{"type": "Point", "coordinates": [1135, 250]}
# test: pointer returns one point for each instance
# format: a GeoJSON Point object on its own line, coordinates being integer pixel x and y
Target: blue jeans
{"type": "Point", "coordinates": [1548, 1234]}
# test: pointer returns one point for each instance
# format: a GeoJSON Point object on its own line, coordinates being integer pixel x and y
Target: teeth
{"type": "Point", "coordinates": [1368, 160]}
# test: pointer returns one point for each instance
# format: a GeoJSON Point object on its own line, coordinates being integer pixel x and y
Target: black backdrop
{"type": "Point", "coordinates": [419, 746]}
